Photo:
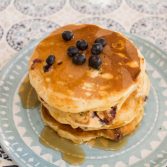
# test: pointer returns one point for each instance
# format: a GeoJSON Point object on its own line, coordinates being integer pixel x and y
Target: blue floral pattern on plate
{"type": "Point", "coordinates": [20, 128]}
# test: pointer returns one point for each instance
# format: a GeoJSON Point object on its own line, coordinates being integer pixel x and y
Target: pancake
{"type": "Point", "coordinates": [89, 121]}
{"type": "Point", "coordinates": [81, 103]}
{"type": "Point", "coordinates": [74, 89]}
{"type": "Point", "coordinates": [79, 136]}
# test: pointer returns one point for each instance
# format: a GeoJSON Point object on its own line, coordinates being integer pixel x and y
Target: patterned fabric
{"type": "Point", "coordinates": [36, 9]}
{"type": "Point", "coordinates": [11, 166]}
{"type": "Point", "coordinates": [5, 160]}
{"type": "Point", "coordinates": [20, 33]}
{"type": "Point", "coordinates": [24, 20]}
{"type": "Point", "coordinates": [3, 154]}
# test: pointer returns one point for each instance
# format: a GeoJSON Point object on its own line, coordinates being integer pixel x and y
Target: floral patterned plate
{"type": "Point", "coordinates": [20, 128]}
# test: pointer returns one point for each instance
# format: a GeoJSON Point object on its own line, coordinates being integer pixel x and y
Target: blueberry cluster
{"type": "Point", "coordinates": [49, 62]}
{"type": "Point", "coordinates": [75, 52]}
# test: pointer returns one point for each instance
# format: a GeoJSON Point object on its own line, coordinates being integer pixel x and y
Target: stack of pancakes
{"type": "Point", "coordinates": [81, 103]}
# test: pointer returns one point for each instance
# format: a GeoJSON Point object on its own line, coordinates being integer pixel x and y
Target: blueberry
{"type": "Point", "coordinates": [95, 61]}
{"type": "Point", "coordinates": [67, 35]}
{"type": "Point", "coordinates": [96, 48]}
{"type": "Point", "coordinates": [101, 41]}
{"type": "Point", "coordinates": [72, 51]}
{"type": "Point", "coordinates": [79, 59]}
{"type": "Point", "coordinates": [46, 68]}
{"type": "Point", "coordinates": [50, 60]}
{"type": "Point", "coordinates": [82, 44]}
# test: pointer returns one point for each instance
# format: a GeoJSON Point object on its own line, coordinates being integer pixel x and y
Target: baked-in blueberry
{"type": "Point", "coordinates": [46, 68]}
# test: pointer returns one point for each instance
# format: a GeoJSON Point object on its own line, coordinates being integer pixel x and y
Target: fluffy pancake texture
{"type": "Point", "coordinates": [79, 136]}
{"type": "Point", "coordinates": [81, 103]}
{"type": "Point", "coordinates": [125, 113]}
{"type": "Point", "coordinates": [76, 86]}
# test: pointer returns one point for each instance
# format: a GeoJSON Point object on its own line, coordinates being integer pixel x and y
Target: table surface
{"type": "Point", "coordinates": [22, 21]}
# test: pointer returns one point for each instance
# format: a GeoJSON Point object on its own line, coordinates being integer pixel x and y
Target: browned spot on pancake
{"type": "Point", "coordinates": [82, 118]}
{"type": "Point", "coordinates": [117, 134]}
{"type": "Point", "coordinates": [103, 121]}
{"type": "Point", "coordinates": [41, 99]}
{"type": "Point", "coordinates": [113, 111]}
{"type": "Point", "coordinates": [59, 62]}
{"type": "Point", "coordinates": [37, 60]}
{"type": "Point", "coordinates": [145, 98]}
{"type": "Point", "coordinates": [103, 117]}
{"type": "Point", "coordinates": [107, 117]}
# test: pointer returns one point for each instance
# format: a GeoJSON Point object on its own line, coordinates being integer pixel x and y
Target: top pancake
{"type": "Point", "coordinates": [79, 88]}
